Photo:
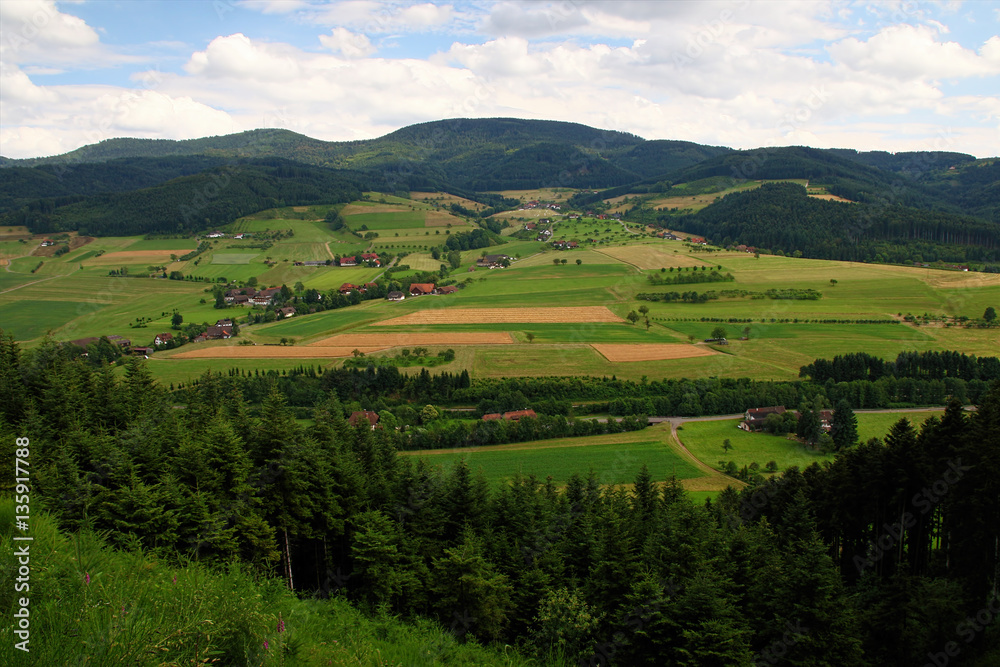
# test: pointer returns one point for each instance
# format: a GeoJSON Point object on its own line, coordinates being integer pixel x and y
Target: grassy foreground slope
{"type": "Point", "coordinates": [90, 605]}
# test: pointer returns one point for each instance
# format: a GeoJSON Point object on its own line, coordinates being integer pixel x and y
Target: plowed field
{"type": "Point", "coordinates": [272, 352]}
{"type": "Point", "coordinates": [504, 316]}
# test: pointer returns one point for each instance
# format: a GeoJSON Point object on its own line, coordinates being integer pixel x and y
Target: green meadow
{"type": "Point", "coordinates": [615, 462]}
{"type": "Point", "coordinates": [704, 439]}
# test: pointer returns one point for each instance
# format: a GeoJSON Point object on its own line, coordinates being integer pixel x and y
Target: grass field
{"type": "Point", "coordinates": [233, 257]}
{"type": "Point", "coordinates": [704, 440]}
{"type": "Point", "coordinates": [615, 458]}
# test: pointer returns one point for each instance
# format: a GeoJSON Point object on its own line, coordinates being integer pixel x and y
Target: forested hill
{"type": "Point", "coordinates": [211, 198]}
{"type": "Point", "coordinates": [461, 152]}
{"type": "Point", "coordinates": [780, 216]}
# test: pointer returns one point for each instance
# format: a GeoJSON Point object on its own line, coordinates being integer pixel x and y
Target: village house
{"type": "Point", "coordinates": [348, 261]}
{"type": "Point", "coordinates": [753, 418]}
{"type": "Point", "coordinates": [142, 351]}
{"type": "Point", "coordinates": [362, 416]}
{"type": "Point", "coordinates": [215, 235]}
{"type": "Point", "coordinates": [395, 296]}
{"type": "Point", "coordinates": [240, 296]}
{"type": "Point", "coordinates": [447, 289]}
{"type": "Point", "coordinates": [287, 311]}
{"type": "Point", "coordinates": [418, 289]}
{"type": "Point", "coordinates": [347, 288]}
{"type": "Point", "coordinates": [163, 338]}
{"type": "Point", "coordinates": [371, 257]}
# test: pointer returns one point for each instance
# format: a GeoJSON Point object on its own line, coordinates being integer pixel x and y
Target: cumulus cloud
{"type": "Point", "coordinates": [350, 44]}
{"type": "Point", "coordinates": [237, 56]}
{"type": "Point", "coordinates": [908, 52]}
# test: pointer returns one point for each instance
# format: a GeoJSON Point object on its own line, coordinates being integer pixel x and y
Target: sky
{"type": "Point", "coordinates": [895, 76]}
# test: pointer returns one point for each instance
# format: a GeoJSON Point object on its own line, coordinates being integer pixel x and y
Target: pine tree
{"type": "Point", "coordinates": [844, 425]}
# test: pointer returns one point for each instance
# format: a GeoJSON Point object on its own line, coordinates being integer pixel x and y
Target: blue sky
{"type": "Point", "coordinates": [902, 75]}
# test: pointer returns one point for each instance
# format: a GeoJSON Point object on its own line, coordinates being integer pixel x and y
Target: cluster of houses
{"type": "Point", "coordinates": [565, 245]}
{"type": "Point", "coordinates": [121, 342]}
{"type": "Point", "coordinates": [248, 296]}
{"type": "Point", "coordinates": [220, 330]}
{"type": "Point", "coordinates": [534, 203]}
{"type": "Point", "coordinates": [493, 261]}
{"type": "Point", "coordinates": [421, 289]}
{"type": "Point", "coordinates": [754, 418]}
{"type": "Point", "coordinates": [347, 288]}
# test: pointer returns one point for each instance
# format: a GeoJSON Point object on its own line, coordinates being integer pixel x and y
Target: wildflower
{"type": "Point", "coordinates": [281, 623]}
{"type": "Point", "coordinates": [175, 578]}
{"type": "Point", "coordinates": [266, 645]}
{"type": "Point", "coordinates": [86, 576]}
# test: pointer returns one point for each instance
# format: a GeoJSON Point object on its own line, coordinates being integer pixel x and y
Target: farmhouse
{"type": "Point", "coordinates": [119, 341]}
{"type": "Point", "coordinates": [493, 261]}
{"type": "Point", "coordinates": [347, 288]}
{"type": "Point", "coordinates": [369, 286]}
{"type": "Point", "coordinates": [448, 289]}
{"type": "Point", "coordinates": [234, 295]}
{"type": "Point", "coordinates": [348, 261]}
{"type": "Point", "coordinates": [314, 262]}
{"type": "Point", "coordinates": [363, 415]}
{"type": "Point", "coordinates": [371, 257]}
{"type": "Point", "coordinates": [215, 235]}
{"type": "Point", "coordinates": [265, 296]}
{"type": "Point", "coordinates": [142, 351]}
{"type": "Point", "coordinates": [287, 311]}
{"type": "Point", "coordinates": [753, 418]}
{"type": "Point", "coordinates": [163, 338]}
{"type": "Point", "coordinates": [417, 289]}
{"type": "Point", "coordinates": [395, 296]}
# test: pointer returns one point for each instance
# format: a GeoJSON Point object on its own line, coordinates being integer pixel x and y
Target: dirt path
{"type": "Point", "coordinates": [33, 282]}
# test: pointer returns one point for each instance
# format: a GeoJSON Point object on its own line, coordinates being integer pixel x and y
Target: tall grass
{"type": "Point", "coordinates": [90, 605]}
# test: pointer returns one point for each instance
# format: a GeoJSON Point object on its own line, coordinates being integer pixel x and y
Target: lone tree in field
{"type": "Point", "coordinates": [726, 445]}
{"type": "Point", "coordinates": [746, 332]}
{"type": "Point", "coordinates": [719, 332]}
{"type": "Point", "coordinates": [990, 315]}
{"type": "Point", "coordinates": [176, 320]}
{"type": "Point", "coordinates": [632, 317]}
{"type": "Point", "coordinates": [579, 262]}
{"type": "Point", "coordinates": [556, 261]}
{"type": "Point", "coordinates": [833, 282]}
{"type": "Point", "coordinates": [530, 336]}
{"type": "Point", "coordinates": [644, 310]}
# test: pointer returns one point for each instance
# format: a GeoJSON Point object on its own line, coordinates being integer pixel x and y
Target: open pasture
{"type": "Point", "coordinates": [540, 194]}
{"type": "Point", "coordinates": [233, 257]}
{"type": "Point", "coordinates": [504, 316]}
{"type": "Point", "coordinates": [445, 199]}
{"type": "Point", "coordinates": [651, 351]}
{"type": "Point", "coordinates": [332, 277]}
{"type": "Point", "coordinates": [131, 257]}
{"type": "Point", "coordinates": [31, 319]}
{"type": "Point", "coordinates": [421, 339]}
{"type": "Point", "coordinates": [615, 458]}
{"type": "Point", "coordinates": [655, 257]}
{"type": "Point", "coordinates": [586, 256]}
{"type": "Point", "coordinates": [180, 245]}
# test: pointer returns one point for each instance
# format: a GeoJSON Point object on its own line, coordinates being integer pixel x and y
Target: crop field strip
{"type": "Point", "coordinates": [504, 316]}
{"type": "Point", "coordinates": [274, 352]}
{"type": "Point", "coordinates": [422, 339]}
{"type": "Point", "coordinates": [651, 352]}
{"type": "Point", "coordinates": [649, 257]}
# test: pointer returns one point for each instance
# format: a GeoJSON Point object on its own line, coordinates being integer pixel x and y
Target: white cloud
{"type": "Point", "coordinates": [909, 52]}
{"type": "Point", "coordinates": [237, 56]}
{"type": "Point", "coordinates": [351, 45]}
{"type": "Point", "coordinates": [426, 15]}
{"type": "Point", "coordinates": [35, 32]}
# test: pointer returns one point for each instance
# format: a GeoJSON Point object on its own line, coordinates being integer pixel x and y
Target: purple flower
{"type": "Point", "coordinates": [281, 623]}
{"type": "Point", "coordinates": [86, 576]}
{"type": "Point", "coordinates": [266, 645]}
{"type": "Point", "coordinates": [175, 578]}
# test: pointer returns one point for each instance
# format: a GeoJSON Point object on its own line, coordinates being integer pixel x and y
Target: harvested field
{"type": "Point", "coordinates": [651, 257]}
{"type": "Point", "coordinates": [394, 340]}
{"type": "Point", "coordinates": [74, 243]}
{"type": "Point", "coordinates": [616, 352]}
{"type": "Point", "coordinates": [503, 316]}
{"type": "Point", "coordinates": [273, 352]}
{"type": "Point", "coordinates": [357, 209]}
{"type": "Point", "coordinates": [132, 257]}
{"type": "Point", "coordinates": [442, 219]}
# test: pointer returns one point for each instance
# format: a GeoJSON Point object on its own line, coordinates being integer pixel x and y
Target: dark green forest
{"type": "Point", "coordinates": [887, 556]}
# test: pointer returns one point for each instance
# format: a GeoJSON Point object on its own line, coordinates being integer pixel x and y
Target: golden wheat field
{"type": "Point", "coordinates": [504, 316]}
